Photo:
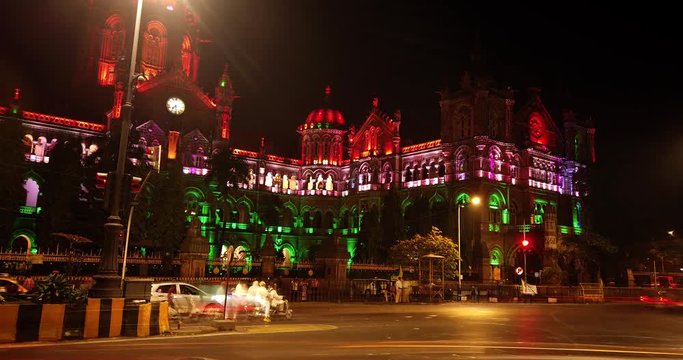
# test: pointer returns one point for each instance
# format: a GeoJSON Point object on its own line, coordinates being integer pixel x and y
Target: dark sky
{"type": "Point", "coordinates": [618, 64]}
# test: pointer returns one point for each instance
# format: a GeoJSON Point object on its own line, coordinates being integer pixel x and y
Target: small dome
{"type": "Point", "coordinates": [325, 114]}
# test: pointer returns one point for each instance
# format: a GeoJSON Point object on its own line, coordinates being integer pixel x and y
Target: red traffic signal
{"type": "Point", "coordinates": [101, 180]}
{"type": "Point", "coordinates": [525, 243]}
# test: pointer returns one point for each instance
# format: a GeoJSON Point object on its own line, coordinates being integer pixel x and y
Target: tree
{"type": "Point", "coordinates": [227, 170]}
{"type": "Point", "coordinates": [11, 181]}
{"type": "Point", "coordinates": [581, 256]}
{"type": "Point", "coordinates": [408, 252]}
{"type": "Point", "coordinates": [369, 237]}
{"type": "Point", "coordinates": [167, 217]}
{"type": "Point", "coordinates": [391, 224]}
{"type": "Point", "coordinates": [62, 189]}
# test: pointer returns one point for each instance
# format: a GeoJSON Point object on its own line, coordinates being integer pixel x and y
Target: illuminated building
{"type": "Point", "coordinates": [503, 147]}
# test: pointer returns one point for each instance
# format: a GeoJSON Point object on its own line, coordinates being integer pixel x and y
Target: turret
{"type": "Point", "coordinates": [224, 96]}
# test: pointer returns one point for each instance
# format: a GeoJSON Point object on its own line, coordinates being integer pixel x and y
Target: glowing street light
{"type": "Point", "coordinates": [475, 201]}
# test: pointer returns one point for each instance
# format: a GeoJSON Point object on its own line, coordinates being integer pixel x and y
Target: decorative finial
{"type": "Point", "coordinates": [328, 90]}
{"type": "Point", "coordinates": [375, 102]}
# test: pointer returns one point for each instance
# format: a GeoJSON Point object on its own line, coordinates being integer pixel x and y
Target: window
{"type": "Point", "coordinates": [190, 290]}
{"type": "Point", "coordinates": [166, 288]}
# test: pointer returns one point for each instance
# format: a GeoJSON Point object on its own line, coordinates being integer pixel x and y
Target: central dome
{"type": "Point", "coordinates": [324, 115]}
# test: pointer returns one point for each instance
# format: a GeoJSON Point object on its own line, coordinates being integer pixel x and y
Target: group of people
{"type": "Point", "coordinates": [264, 296]}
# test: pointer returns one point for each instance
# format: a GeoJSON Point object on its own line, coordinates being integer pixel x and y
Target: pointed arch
{"type": "Point", "coordinates": [112, 45]}
{"type": "Point", "coordinates": [404, 204]}
{"type": "Point", "coordinates": [186, 56]}
{"type": "Point", "coordinates": [154, 44]}
{"type": "Point", "coordinates": [461, 158]}
{"type": "Point", "coordinates": [288, 253]}
{"type": "Point", "coordinates": [436, 197]}
{"type": "Point", "coordinates": [496, 256]}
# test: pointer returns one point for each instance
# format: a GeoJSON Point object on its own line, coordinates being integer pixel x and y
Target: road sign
{"type": "Point", "coordinates": [519, 271]}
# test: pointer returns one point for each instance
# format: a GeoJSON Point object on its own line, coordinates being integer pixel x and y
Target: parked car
{"type": "Point", "coordinates": [189, 300]}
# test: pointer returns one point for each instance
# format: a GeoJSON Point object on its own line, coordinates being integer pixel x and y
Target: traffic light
{"type": "Point", "coordinates": [153, 157]}
{"type": "Point", "coordinates": [525, 243]}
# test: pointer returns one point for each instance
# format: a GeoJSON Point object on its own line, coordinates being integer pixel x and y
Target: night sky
{"type": "Point", "coordinates": [619, 65]}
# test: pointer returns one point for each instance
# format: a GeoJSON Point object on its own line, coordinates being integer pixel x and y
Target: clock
{"type": "Point", "coordinates": [175, 105]}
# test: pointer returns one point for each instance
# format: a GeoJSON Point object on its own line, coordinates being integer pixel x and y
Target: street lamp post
{"type": "Point", "coordinates": [475, 201]}
{"type": "Point", "coordinates": [107, 280]}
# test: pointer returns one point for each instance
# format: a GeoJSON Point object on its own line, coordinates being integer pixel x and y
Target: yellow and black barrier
{"type": "Point", "coordinates": [141, 320]}
{"type": "Point", "coordinates": [98, 318]}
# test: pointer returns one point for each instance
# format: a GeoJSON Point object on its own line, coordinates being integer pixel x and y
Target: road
{"type": "Point", "coordinates": [411, 331]}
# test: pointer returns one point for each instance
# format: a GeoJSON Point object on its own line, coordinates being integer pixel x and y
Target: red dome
{"type": "Point", "coordinates": [325, 116]}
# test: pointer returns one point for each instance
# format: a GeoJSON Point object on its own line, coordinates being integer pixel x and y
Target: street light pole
{"type": "Point", "coordinates": [459, 252]}
{"type": "Point", "coordinates": [107, 282]}
{"type": "Point", "coordinates": [475, 201]}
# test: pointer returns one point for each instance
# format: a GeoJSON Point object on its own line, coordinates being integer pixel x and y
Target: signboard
{"type": "Point", "coordinates": [519, 271]}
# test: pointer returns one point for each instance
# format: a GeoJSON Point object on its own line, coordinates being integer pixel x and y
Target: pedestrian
{"type": "Point", "coordinates": [399, 290]}
{"type": "Point", "coordinates": [314, 289]}
{"type": "Point", "coordinates": [295, 289]}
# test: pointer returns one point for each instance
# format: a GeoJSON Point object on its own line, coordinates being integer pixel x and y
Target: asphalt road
{"type": "Point", "coordinates": [454, 331]}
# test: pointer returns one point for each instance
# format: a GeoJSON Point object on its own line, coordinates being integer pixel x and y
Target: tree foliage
{"type": "Point", "coordinates": [62, 190]}
{"type": "Point", "coordinates": [409, 252]}
{"type": "Point", "coordinates": [580, 257]}
{"type": "Point", "coordinates": [227, 170]}
{"type": "Point", "coordinates": [167, 217]}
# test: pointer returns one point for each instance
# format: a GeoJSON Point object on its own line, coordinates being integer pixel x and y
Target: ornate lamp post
{"type": "Point", "coordinates": [107, 280]}
{"type": "Point", "coordinates": [475, 201]}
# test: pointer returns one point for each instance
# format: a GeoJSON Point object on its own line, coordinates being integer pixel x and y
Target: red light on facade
{"type": "Point", "coordinates": [525, 243]}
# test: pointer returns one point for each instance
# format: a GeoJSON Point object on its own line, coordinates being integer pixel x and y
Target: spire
{"type": "Point", "coordinates": [328, 92]}
{"type": "Point", "coordinates": [375, 104]}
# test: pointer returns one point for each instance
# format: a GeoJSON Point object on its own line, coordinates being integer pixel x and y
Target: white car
{"type": "Point", "coordinates": [189, 299]}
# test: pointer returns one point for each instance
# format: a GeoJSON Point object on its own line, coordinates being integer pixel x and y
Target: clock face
{"type": "Point", "coordinates": [175, 105]}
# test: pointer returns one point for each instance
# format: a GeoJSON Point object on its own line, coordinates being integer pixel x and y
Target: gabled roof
{"type": "Point", "coordinates": [548, 135]}
{"type": "Point", "coordinates": [179, 80]}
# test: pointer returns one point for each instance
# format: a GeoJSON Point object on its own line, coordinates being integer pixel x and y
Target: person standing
{"type": "Point", "coordinates": [295, 289]}
{"type": "Point", "coordinates": [399, 290]}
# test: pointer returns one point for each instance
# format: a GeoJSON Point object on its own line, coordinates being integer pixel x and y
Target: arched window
{"type": "Point", "coordinates": [463, 120]}
{"type": "Point", "coordinates": [317, 219]}
{"type": "Point", "coordinates": [409, 174]}
{"type": "Point", "coordinates": [307, 219]}
{"type": "Point", "coordinates": [344, 220]}
{"type": "Point", "coordinates": [186, 55]}
{"type": "Point", "coordinates": [329, 184]}
{"type": "Point", "coordinates": [154, 49]}
{"type": "Point", "coordinates": [514, 213]}
{"type": "Point", "coordinates": [442, 169]}
{"type": "Point", "coordinates": [226, 213]}
{"type": "Point", "coordinates": [328, 221]}
{"type": "Point", "coordinates": [111, 49]}
{"type": "Point", "coordinates": [32, 191]}
{"type": "Point", "coordinates": [243, 213]}
{"type": "Point", "coordinates": [287, 218]}
{"type": "Point", "coordinates": [425, 171]}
